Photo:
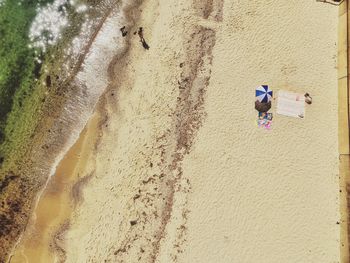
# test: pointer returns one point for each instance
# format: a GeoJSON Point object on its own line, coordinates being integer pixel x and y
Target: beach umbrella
{"type": "Point", "coordinates": [263, 93]}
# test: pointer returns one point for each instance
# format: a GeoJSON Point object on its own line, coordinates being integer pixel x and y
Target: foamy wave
{"type": "Point", "coordinates": [89, 84]}
{"type": "Point", "coordinates": [50, 22]}
{"type": "Point", "coordinates": [107, 44]}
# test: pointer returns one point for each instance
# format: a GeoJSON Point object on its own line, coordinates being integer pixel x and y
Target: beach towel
{"type": "Point", "coordinates": [290, 104]}
{"type": "Point", "coordinates": [265, 120]}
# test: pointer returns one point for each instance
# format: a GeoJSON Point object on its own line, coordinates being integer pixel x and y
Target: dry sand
{"type": "Point", "coordinates": [183, 174]}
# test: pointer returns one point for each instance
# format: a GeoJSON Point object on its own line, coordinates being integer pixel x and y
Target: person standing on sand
{"type": "Point", "coordinates": [143, 41]}
{"type": "Point", "coordinates": [124, 32]}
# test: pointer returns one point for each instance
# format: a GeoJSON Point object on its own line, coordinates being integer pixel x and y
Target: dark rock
{"type": "Point", "coordinates": [8, 178]}
{"type": "Point", "coordinates": [48, 81]}
{"type": "Point", "coordinates": [5, 225]}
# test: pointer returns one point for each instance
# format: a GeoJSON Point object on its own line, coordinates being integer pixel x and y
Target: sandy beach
{"type": "Point", "coordinates": [178, 169]}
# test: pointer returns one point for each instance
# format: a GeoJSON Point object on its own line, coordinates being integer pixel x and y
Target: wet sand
{"type": "Point", "coordinates": [41, 240]}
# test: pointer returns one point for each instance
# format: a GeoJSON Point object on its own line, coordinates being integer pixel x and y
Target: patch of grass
{"type": "Point", "coordinates": [18, 68]}
{"type": "Point", "coordinates": [23, 88]}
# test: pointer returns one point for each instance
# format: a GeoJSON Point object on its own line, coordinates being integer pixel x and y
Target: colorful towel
{"type": "Point", "coordinates": [265, 120]}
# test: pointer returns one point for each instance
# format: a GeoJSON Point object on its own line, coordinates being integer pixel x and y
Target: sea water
{"type": "Point", "coordinates": [98, 43]}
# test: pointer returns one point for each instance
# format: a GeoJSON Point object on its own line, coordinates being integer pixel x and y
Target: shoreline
{"type": "Point", "coordinates": [48, 141]}
{"type": "Point", "coordinates": [155, 196]}
{"type": "Point", "coordinates": [128, 10]}
{"type": "Point", "coordinates": [191, 87]}
{"type": "Point", "coordinates": [61, 194]}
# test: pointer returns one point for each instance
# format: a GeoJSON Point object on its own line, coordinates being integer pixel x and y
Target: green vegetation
{"type": "Point", "coordinates": [18, 69]}
{"type": "Point", "coordinates": [32, 96]}
{"type": "Point", "coordinates": [22, 91]}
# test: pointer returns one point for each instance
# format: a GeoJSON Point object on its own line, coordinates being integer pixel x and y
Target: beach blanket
{"type": "Point", "coordinates": [264, 120]}
{"type": "Point", "coordinates": [290, 104]}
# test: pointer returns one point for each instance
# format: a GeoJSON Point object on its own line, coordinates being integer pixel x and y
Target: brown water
{"type": "Point", "coordinates": [56, 204]}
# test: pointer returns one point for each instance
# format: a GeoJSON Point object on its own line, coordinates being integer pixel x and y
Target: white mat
{"type": "Point", "coordinates": [291, 104]}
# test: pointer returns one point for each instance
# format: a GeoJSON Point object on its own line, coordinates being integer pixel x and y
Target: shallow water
{"type": "Point", "coordinates": [56, 204]}
{"type": "Point", "coordinates": [53, 210]}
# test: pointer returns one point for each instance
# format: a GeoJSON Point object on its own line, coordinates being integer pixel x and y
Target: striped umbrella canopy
{"type": "Point", "coordinates": [263, 93]}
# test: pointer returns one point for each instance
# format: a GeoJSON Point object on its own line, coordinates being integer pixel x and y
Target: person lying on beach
{"type": "Point", "coordinates": [143, 41]}
{"type": "Point", "coordinates": [308, 98]}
